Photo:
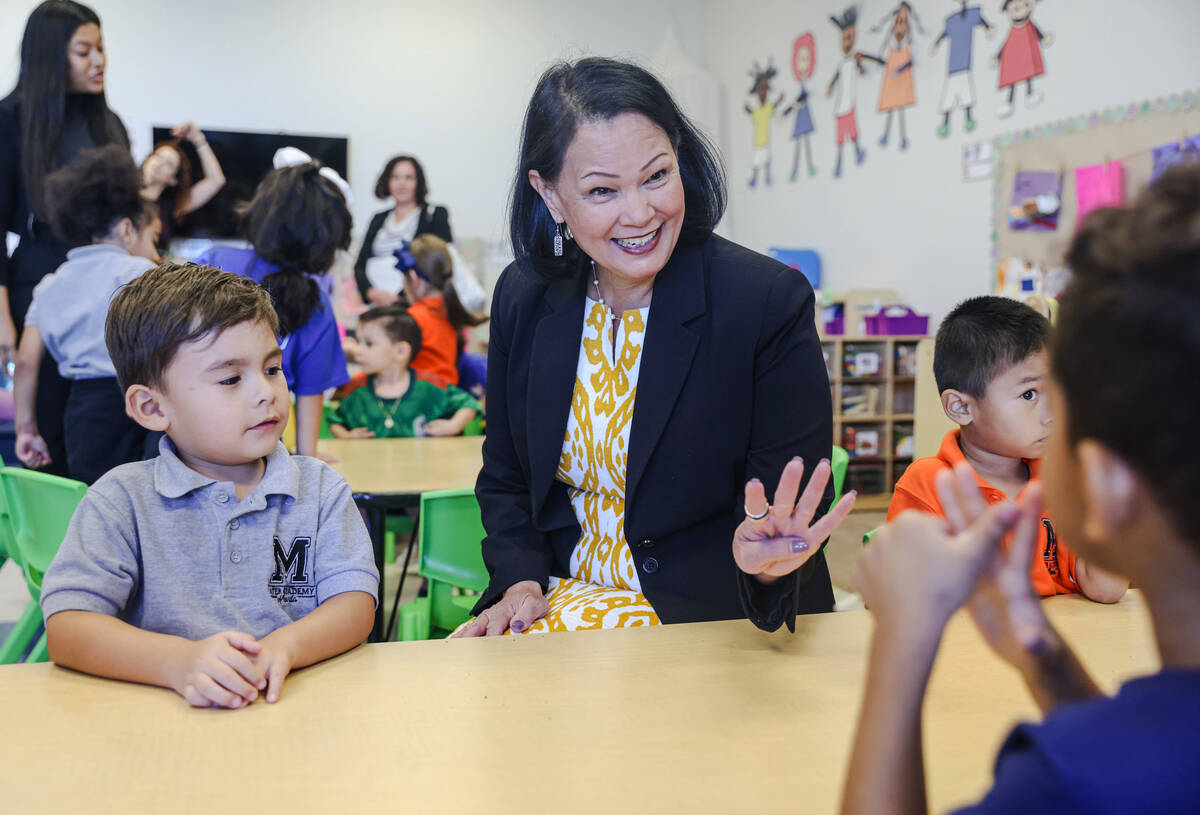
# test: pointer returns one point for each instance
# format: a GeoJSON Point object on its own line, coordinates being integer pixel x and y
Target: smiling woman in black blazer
{"type": "Point", "coordinates": [402, 180]}
{"type": "Point", "coordinates": [649, 384]}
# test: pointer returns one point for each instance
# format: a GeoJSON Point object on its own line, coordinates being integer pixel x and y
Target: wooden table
{"type": "Point", "coordinates": [392, 473]}
{"type": "Point", "coordinates": [709, 717]}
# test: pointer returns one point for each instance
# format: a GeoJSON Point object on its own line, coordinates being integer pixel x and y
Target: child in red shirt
{"type": "Point", "coordinates": [990, 363]}
{"type": "Point", "coordinates": [429, 285]}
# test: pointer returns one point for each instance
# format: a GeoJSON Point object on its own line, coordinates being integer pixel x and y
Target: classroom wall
{"type": "Point", "coordinates": [908, 220]}
{"type": "Point", "coordinates": [447, 82]}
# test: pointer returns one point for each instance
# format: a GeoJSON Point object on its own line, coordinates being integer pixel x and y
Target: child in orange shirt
{"type": "Point", "coordinates": [990, 364]}
{"type": "Point", "coordinates": [429, 285]}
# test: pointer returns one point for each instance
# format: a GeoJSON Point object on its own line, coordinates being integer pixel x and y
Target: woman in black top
{"type": "Point", "coordinates": [402, 180]}
{"type": "Point", "coordinates": [56, 110]}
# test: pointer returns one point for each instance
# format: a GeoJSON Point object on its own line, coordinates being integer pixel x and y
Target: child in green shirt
{"type": "Point", "coordinates": [394, 403]}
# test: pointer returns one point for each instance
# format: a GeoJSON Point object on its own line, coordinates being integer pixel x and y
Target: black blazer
{"type": "Point", "coordinates": [432, 221]}
{"type": "Point", "coordinates": [39, 251]}
{"type": "Point", "coordinates": [732, 385]}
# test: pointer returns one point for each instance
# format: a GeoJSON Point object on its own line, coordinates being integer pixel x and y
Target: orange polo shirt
{"type": "Point", "coordinates": [1053, 564]}
{"type": "Point", "coordinates": [439, 343]}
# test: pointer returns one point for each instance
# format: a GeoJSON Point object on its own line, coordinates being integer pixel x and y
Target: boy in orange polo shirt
{"type": "Point", "coordinates": [990, 364]}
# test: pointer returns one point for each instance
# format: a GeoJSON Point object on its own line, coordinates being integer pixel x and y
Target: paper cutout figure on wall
{"type": "Point", "coordinates": [845, 82]}
{"type": "Point", "coordinates": [1170, 154]}
{"type": "Point", "coordinates": [804, 62]}
{"type": "Point", "coordinates": [1102, 185]}
{"type": "Point", "coordinates": [1036, 201]}
{"type": "Point", "coordinates": [959, 89]}
{"type": "Point", "coordinates": [1020, 58]}
{"type": "Point", "coordinates": [897, 91]}
{"type": "Point", "coordinates": [761, 116]}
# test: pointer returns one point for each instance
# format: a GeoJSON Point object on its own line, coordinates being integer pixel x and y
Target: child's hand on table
{"type": "Point", "coordinates": [218, 671]}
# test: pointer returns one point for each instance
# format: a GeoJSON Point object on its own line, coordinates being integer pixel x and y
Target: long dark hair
{"type": "Point", "coordinates": [42, 91]}
{"type": "Point", "coordinates": [436, 267]}
{"type": "Point", "coordinates": [598, 89]}
{"type": "Point", "coordinates": [297, 221]}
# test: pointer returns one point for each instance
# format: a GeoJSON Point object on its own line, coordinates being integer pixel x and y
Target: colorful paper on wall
{"type": "Point", "coordinates": [1036, 200]}
{"type": "Point", "coordinates": [1102, 185]}
{"type": "Point", "coordinates": [1173, 153]}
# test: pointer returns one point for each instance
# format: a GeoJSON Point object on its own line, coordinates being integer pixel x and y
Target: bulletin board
{"type": "Point", "coordinates": [1128, 134]}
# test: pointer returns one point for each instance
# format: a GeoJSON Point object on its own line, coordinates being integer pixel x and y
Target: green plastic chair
{"type": "Point", "coordinates": [450, 556]}
{"type": "Point", "coordinates": [38, 509]}
{"type": "Point", "coordinates": [838, 462]}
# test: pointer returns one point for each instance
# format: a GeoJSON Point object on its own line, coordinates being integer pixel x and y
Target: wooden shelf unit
{"type": "Point", "coordinates": [890, 391]}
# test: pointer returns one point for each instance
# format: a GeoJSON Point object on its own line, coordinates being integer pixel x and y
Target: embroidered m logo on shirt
{"type": "Point", "coordinates": [292, 580]}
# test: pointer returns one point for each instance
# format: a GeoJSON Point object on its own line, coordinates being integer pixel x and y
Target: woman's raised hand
{"type": "Point", "coordinates": [776, 539]}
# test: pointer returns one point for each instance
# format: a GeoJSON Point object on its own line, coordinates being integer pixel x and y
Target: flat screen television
{"type": "Point", "coordinates": [245, 158]}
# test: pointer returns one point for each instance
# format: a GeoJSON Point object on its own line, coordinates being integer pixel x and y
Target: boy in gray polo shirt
{"type": "Point", "coordinates": [221, 565]}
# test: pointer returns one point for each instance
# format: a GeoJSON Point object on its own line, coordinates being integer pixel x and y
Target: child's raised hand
{"type": "Point", "coordinates": [781, 540]}
{"type": "Point", "coordinates": [920, 569]}
{"type": "Point", "coordinates": [218, 672]}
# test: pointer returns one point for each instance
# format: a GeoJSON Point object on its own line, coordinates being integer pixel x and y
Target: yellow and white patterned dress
{"type": "Point", "coordinates": [603, 590]}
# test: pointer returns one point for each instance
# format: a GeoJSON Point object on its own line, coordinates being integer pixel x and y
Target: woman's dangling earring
{"type": "Point", "coordinates": [558, 240]}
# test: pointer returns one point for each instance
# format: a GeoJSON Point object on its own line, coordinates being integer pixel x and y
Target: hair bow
{"type": "Point", "coordinates": [406, 261]}
{"type": "Point", "coordinates": [294, 157]}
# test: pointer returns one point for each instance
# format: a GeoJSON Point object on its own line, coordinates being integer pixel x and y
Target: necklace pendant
{"type": "Point", "coordinates": [388, 423]}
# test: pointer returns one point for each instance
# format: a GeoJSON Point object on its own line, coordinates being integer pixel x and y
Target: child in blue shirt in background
{"type": "Point", "coordinates": [1122, 485]}
{"type": "Point", "coordinates": [394, 402]}
{"type": "Point", "coordinates": [223, 564]}
{"type": "Point", "coordinates": [95, 204]}
{"type": "Point", "coordinates": [295, 223]}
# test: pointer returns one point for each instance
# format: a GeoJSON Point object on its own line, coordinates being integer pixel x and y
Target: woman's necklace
{"type": "Point", "coordinates": [616, 319]}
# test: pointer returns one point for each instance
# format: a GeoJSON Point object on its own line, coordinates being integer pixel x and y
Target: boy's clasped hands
{"type": "Point", "coordinates": [231, 669]}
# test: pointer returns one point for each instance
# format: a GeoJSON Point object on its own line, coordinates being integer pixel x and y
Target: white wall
{"type": "Point", "coordinates": [447, 82]}
{"type": "Point", "coordinates": [907, 220]}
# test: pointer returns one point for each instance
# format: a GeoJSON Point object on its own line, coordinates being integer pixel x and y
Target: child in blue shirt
{"type": "Point", "coordinates": [1123, 487]}
{"type": "Point", "coordinates": [223, 564]}
{"type": "Point", "coordinates": [394, 402]}
{"type": "Point", "coordinates": [95, 204]}
{"type": "Point", "coordinates": [295, 223]}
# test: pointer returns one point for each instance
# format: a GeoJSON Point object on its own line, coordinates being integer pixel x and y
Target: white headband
{"type": "Point", "coordinates": [294, 157]}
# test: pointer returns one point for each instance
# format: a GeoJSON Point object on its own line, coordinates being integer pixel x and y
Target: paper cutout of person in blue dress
{"type": "Point", "coordinates": [959, 89]}
{"type": "Point", "coordinates": [804, 62]}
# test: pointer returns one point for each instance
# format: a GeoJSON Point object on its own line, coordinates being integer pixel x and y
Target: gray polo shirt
{"type": "Point", "coordinates": [70, 306]}
{"type": "Point", "coordinates": [167, 549]}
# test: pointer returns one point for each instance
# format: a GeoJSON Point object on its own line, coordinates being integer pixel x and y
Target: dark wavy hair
{"type": "Point", "coordinates": [1129, 328]}
{"type": "Point", "coordinates": [88, 197]}
{"type": "Point", "coordinates": [297, 221]}
{"type": "Point", "coordinates": [42, 91]}
{"type": "Point", "coordinates": [598, 89]}
{"type": "Point", "coordinates": [381, 185]}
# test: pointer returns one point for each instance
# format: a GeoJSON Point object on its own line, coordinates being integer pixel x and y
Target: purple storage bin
{"type": "Point", "coordinates": [836, 326]}
{"type": "Point", "coordinates": [900, 320]}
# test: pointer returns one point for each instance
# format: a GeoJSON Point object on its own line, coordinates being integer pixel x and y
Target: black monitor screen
{"type": "Point", "coordinates": [245, 158]}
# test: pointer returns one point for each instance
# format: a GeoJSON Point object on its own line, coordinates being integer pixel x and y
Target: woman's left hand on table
{"type": "Point", "coordinates": [785, 537]}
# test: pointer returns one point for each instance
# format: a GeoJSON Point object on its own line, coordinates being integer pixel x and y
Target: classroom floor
{"type": "Point", "coordinates": [842, 552]}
